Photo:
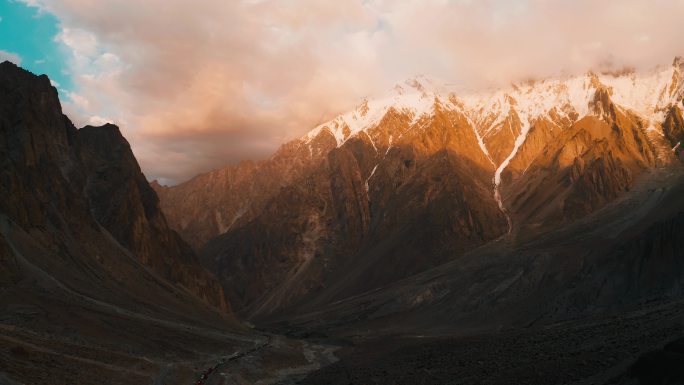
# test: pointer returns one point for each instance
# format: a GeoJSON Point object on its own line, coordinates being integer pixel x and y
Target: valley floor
{"type": "Point", "coordinates": [30, 358]}
{"type": "Point", "coordinates": [587, 351]}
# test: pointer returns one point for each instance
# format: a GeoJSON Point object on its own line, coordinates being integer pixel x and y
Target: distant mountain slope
{"type": "Point", "coordinates": [413, 179]}
{"type": "Point", "coordinates": [625, 257]}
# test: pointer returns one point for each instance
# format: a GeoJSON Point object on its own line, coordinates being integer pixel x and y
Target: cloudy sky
{"type": "Point", "coordinates": [195, 85]}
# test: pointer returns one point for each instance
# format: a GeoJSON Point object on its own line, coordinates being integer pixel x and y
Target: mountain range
{"type": "Point", "coordinates": [420, 177]}
{"type": "Point", "coordinates": [430, 235]}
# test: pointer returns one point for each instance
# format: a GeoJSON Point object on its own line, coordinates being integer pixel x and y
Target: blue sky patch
{"type": "Point", "coordinates": [30, 33]}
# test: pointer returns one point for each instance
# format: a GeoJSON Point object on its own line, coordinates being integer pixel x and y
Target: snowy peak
{"type": "Point", "coordinates": [491, 113]}
{"type": "Point", "coordinates": [415, 97]}
{"type": "Point", "coordinates": [648, 94]}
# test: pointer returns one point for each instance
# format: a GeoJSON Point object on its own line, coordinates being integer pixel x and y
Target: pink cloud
{"type": "Point", "coordinates": [196, 85]}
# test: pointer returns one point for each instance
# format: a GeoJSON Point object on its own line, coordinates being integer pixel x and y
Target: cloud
{"type": "Point", "coordinates": [13, 57]}
{"type": "Point", "coordinates": [195, 85]}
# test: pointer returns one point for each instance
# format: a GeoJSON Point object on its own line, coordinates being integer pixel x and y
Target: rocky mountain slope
{"type": "Point", "coordinates": [56, 175]}
{"type": "Point", "coordinates": [411, 180]}
{"type": "Point", "coordinates": [576, 304]}
{"type": "Point", "coordinates": [91, 277]}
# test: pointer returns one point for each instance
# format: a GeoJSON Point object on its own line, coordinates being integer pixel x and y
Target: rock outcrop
{"type": "Point", "coordinates": [80, 194]}
{"type": "Point", "coordinates": [123, 202]}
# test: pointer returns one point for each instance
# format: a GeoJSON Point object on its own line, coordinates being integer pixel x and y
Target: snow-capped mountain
{"type": "Point", "coordinates": [649, 96]}
{"type": "Point", "coordinates": [501, 119]}
{"type": "Point", "coordinates": [421, 175]}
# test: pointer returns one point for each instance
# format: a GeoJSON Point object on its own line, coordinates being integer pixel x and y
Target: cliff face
{"type": "Point", "coordinates": [123, 202]}
{"type": "Point", "coordinates": [36, 156]}
{"type": "Point", "coordinates": [578, 168]}
{"type": "Point", "coordinates": [78, 193]}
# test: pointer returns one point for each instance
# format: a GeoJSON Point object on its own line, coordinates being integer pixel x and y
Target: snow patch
{"type": "Point", "coordinates": [480, 140]}
{"type": "Point", "coordinates": [524, 130]}
{"type": "Point", "coordinates": [372, 142]}
{"type": "Point", "coordinates": [370, 176]}
{"type": "Point", "coordinates": [223, 227]}
{"type": "Point", "coordinates": [389, 146]}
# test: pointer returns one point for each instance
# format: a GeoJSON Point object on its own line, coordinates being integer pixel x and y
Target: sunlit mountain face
{"type": "Point", "coordinates": [364, 192]}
